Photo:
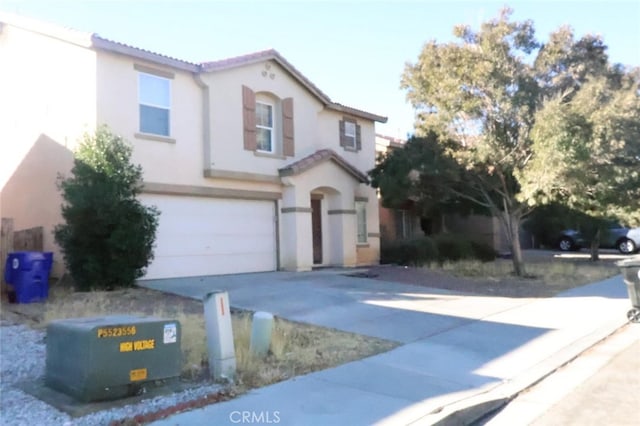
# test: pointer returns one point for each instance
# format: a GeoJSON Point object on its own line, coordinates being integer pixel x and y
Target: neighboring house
{"type": "Point", "coordinates": [405, 222]}
{"type": "Point", "coordinates": [252, 166]}
{"type": "Point", "coordinates": [396, 223]}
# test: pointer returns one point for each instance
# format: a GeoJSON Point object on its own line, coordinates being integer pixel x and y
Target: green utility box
{"type": "Point", "coordinates": [103, 358]}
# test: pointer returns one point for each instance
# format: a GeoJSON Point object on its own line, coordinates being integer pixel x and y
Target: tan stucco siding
{"type": "Point", "coordinates": [329, 137]}
{"type": "Point", "coordinates": [177, 159]}
{"type": "Point", "coordinates": [48, 101]}
{"type": "Point", "coordinates": [227, 151]}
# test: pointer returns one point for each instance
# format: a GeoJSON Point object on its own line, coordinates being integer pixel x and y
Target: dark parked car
{"type": "Point", "coordinates": [626, 240]}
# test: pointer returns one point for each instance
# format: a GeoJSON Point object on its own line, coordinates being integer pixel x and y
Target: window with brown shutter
{"type": "Point", "coordinates": [350, 138]}
{"type": "Point", "coordinates": [288, 148]}
{"type": "Point", "coordinates": [249, 118]}
{"type": "Point", "coordinates": [267, 123]}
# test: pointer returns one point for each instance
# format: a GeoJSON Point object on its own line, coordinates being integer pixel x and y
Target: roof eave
{"type": "Point", "coordinates": [330, 155]}
{"type": "Point", "coordinates": [274, 55]}
{"type": "Point", "coordinates": [79, 38]}
{"type": "Point", "coordinates": [356, 112]}
{"type": "Point", "coordinates": [360, 177]}
{"type": "Point", "coordinates": [267, 55]}
{"type": "Point", "coordinates": [98, 42]}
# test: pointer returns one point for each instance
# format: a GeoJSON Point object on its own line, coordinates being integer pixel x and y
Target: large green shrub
{"type": "Point", "coordinates": [483, 252]}
{"type": "Point", "coordinates": [440, 248]}
{"type": "Point", "coordinates": [453, 247]}
{"type": "Point", "coordinates": [108, 235]}
{"type": "Point", "coordinates": [413, 252]}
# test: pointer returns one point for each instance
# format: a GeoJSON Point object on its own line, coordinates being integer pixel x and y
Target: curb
{"type": "Point", "coordinates": [473, 409]}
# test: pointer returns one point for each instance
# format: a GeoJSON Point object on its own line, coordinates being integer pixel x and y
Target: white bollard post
{"type": "Point", "coordinates": [217, 317]}
{"type": "Point", "coordinates": [261, 328]}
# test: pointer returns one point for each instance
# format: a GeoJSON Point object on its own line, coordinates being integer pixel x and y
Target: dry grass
{"type": "Point", "coordinates": [545, 278]}
{"type": "Point", "coordinates": [298, 349]}
{"type": "Point", "coordinates": [295, 348]}
{"type": "Point", "coordinates": [551, 273]}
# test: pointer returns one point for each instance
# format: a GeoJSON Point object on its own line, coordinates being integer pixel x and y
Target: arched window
{"type": "Point", "coordinates": [268, 123]}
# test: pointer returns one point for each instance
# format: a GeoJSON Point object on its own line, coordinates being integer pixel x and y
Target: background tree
{"type": "Point", "coordinates": [548, 222]}
{"type": "Point", "coordinates": [108, 235]}
{"type": "Point", "coordinates": [481, 93]}
{"type": "Point", "coordinates": [487, 91]}
{"type": "Point", "coordinates": [587, 146]}
{"type": "Point", "coordinates": [425, 173]}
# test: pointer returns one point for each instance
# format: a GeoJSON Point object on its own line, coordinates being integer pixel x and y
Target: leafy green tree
{"type": "Point", "coordinates": [424, 172]}
{"type": "Point", "coordinates": [487, 91]}
{"type": "Point", "coordinates": [547, 223]}
{"type": "Point", "coordinates": [587, 148]}
{"type": "Point", "coordinates": [108, 235]}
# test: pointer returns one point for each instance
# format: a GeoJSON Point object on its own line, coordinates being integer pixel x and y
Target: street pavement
{"type": "Point", "coordinates": [461, 355]}
{"type": "Point", "coordinates": [600, 387]}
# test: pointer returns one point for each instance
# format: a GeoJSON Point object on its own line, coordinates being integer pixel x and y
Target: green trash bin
{"type": "Point", "coordinates": [631, 273]}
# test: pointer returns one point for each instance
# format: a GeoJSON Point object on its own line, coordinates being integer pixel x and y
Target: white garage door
{"type": "Point", "coordinates": [211, 236]}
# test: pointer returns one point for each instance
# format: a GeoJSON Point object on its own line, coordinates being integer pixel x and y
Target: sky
{"type": "Point", "coordinates": [354, 51]}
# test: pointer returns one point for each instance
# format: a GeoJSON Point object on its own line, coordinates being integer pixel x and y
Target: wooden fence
{"type": "Point", "coordinates": [24, 240]}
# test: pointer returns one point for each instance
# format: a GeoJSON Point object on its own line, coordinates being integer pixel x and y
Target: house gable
{"type": "Point", "coordinates": [273, 55]}
{"type": "Point", "coordinates": [318, 158]}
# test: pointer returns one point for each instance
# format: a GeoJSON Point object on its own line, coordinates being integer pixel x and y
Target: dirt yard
{"type": "Point", "coordinates": [295, 348]}
{"type": "Point", "coordinates": [548, 273]}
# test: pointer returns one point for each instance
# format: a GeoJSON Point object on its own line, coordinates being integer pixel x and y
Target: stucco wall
{"type": "Point", "coordinates": [483, 229]}
{"type": "Point", "coordinates": [315, 127]}
{"type": "Point", "coordinates": [227, 152]}
{"type": "Point", "coordinates": [179, 160]}
{"type": "Point", "coordinates": [329, 137]}
{"type": "Point", "coordinates": [48, 101]}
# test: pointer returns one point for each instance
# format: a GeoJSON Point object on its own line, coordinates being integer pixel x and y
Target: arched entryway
{"type": "Point", "coordinates": [325, 204]}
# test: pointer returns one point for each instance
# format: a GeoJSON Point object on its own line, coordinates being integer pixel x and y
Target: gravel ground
{"type": "Point", "coordinates": [22, 359]}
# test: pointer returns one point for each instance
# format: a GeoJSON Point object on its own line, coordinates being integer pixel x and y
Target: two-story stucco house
{"type": "Point", "coordinates": [251, 165]}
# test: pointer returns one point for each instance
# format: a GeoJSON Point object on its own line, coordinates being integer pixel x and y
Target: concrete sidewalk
{"type": "Point", "coordinates": [462, 354]}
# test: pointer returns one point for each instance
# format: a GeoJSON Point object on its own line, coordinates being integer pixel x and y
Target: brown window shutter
{"type": "Point", "coordinates": [358, 138]}
{"type": "Point", "coordinates": [249, 118]}
{"type": "Point", "coordinates": [288, 147]}
{"type": "Point", "coordinates": [342, 135]}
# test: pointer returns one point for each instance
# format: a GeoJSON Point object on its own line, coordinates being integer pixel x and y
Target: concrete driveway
{"type": "Point", "coordinates": [461, 356]}
{"type": "Point", "coordinates": [330, 298]}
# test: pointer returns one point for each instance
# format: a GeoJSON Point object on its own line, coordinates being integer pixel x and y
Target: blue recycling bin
{"type": "Point", "coordinates": [28, 273]}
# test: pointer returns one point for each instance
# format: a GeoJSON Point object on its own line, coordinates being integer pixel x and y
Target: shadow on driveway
{"type": "Point", "coordinates": [454, 345]}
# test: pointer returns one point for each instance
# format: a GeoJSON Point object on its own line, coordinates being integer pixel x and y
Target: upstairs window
{"type": "Point", "coordinates": [264, 127]}
{"type": "Point", "coordinates": [154, 97]}
{"type": "Point", "coordinates": [350, 138]}
{"type": "Point", "coordinates": [350, 135]}
{"type": "Point", "coordinates": [267, 123]}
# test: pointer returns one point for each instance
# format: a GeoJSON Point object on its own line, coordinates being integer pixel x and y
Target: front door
{"type": "Point", "coordinates": [316, 224]}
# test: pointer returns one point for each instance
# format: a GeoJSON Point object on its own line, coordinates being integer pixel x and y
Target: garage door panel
{"type": "Point", "coordinates": [206, 236]}
{"type": "Point", "coordinates": [188, 266]}
{"type": "Point", "coordinates": [221, 246]}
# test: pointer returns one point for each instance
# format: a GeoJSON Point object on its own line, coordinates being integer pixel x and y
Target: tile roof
{"type": "Point", "coordinates": [391, 138]}
{"type": "Point", "coordinates": [272, 54]}
{"type": "Point", "coordinates": [126, 49]}
{"type": "Point", "coordinates": [95, 41]}
{"type": "Point", "coordinates": [318, 158]}
{"type": "Point", "coordinates": [391, 142]}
